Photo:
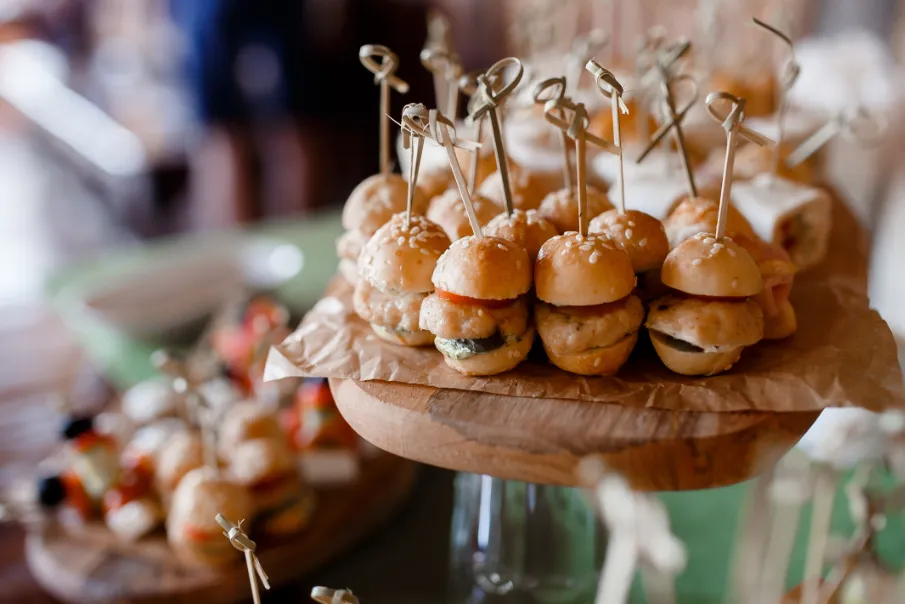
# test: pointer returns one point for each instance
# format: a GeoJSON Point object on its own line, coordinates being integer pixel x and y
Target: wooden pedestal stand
{"type": "Point", "coordinates": [90, 565]}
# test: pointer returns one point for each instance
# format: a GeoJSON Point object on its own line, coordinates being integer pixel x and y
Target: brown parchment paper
{"type": "Point", "coordinates": [843, 353]}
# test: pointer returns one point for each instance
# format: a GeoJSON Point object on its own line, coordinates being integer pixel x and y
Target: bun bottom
{"type": "Point", "coordinates": [403, 338]}
{"type": "Point", "coordinates": [500, 360]}
{"type": "Point", "coordinates": [694, 363]}
{"type": "Point", "coordinates": [781, 325]}
{"type": "Point", "coordinates": [596, 361]}
{"type": "Point", "coordinates": [349, 270]}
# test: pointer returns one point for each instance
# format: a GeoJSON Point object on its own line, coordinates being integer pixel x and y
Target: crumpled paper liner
{"type": "Point", "coordinates": [843, 353]}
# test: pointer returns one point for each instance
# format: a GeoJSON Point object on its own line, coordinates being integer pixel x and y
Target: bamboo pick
{"type": "Point", "coordinates": [383, 76]}
{"type": "Point", "coordinates": [444, 64]}
{"type": "Point", "coordinates": [439, 38]}
{"type": "Point", "coordinates": [413, 141]}
{"type": "Point", "coordinates": [241, 542]}
{"type": "Point", "coordinates": [468, 84]}
{"type": "Point", "coordinates": [789, 75]}
{"type": "Point", "coordinates": [440, 129]}
{"type": "Point", "coordinates": [610, 87]}
{"type": "Point", "coordinates": [558, 86]}
{"type": "Point", "coordinates": [856, 125]}
{"type": "Point", "coordinates": [732, 124]}
{"type": "Point", "coordinates": [490, 101]}
{"type": "Point", "coordinates": [583, 50]}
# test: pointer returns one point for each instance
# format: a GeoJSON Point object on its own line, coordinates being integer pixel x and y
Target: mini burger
{"type": "Point", "coordinates": [561, 207]}
{"type": "Point", "coordinates": [479, 309]}
{"type": "Point", "coordinates": [266, 468]}
{"type": "Point", "coordinates": [527, 229]}
{"type": "Point", "coordinates": [699, 215]}
{"type": "Point", "coordinates": [586, 314]}
{"type": "Point", "coordinates": [778, 273]}
{"type": "Point", "coordinates": [642, 237]}
{"type": "Point", "coordinates": [395, 277]}
{"type": "Point", "coordinates": [247, 421]}
{"type": "Point", "coordinates": [183, 452]}
{"type": "Point", "coordinates": [528, 187]}
{"type": "Point", "coordinates": [192, 530]}
{"type": "Point", "coordinates": [371, 204]}
{"type": "Point", "coordinates": [448, 212]}
{"type": "Point", "coordinates": [703, 327]}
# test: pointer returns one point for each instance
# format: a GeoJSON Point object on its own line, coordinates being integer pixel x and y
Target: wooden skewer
{"type": "Point", "coordinates": [413, 141]}
{"type": "Point", "coordinates": [610, 87]}
{"type": "Point", "coordinates": [855, 125]}
{"type": "Point", "coordinates": [558, 87]}
{"type": "Point", "coordinates": [583, 49]}
{"type": "Point", "coordinates": [443, 131]}
{"type": "Point", "coordinates": [445, 65]}
{"type": "Point", "coordinates": [490, 101]}
{"type": "Point", "coordinates": [384, 76]}
{"type": "Point", "coordinates": [787, 79]}
{"type": "Point", "coordinates": [468, 84]}
{"type": "Point", "coordinates": [733, 125]}
{"type": "Point", "coordinates": [241, 542]}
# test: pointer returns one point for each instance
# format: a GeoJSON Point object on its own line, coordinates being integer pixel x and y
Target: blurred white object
{"type": "Point", "coordinates": [150, 400]}
{"type": "Point", "coordinates": [844, 437]}
{"type": "Point", "coordinates": [329, 468]}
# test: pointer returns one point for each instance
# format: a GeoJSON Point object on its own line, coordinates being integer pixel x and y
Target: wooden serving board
{"type": "Point", "coordinates": [542, 440]}
{"type": "Point", "coordinates": [90, 565]}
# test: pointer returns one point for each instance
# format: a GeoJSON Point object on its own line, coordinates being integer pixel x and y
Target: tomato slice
{"type": "Point", "coordinates": [457, 299]}
{"type": "Point", "coordinates": [198, 535]}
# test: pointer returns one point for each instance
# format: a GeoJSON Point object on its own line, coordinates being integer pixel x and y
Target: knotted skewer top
{"type": "Point", "coordinates": [385, 70]}
{"type": "Point", "coordinates": [554, 89]}
{"type": "Point", "coordinates": [239, 540]}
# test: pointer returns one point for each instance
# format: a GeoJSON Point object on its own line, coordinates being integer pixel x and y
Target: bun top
{"type": "Point", "coordinates": [561, 207]}
{"type": "Point", "coordinates": [527, 229]}
{"type": "Point", "coordinates": [259, 460]}
{"type": "Point", "coordinates": [448, 211]}
{"type": "Point", "coordinates": [704, 266]}
{"type": "Point", "coordinates": [699, 215]}
{"type": "Point", "coordinates": [572, 270]}
{"type": "Point", "coordinates": [402, 258]}
{"type": "Point", "coordinates": [486, 268]}
{"type": "Point", "coordinates": [200, 497]}
{"type": "Point", "coordinates": [375, 200]}
{"type": "Point", "coordinates": [714, 325]}
{"type": "Point", "coordinates": [639, 235]}
{"type": "Point", "coordinates": [526, 186]}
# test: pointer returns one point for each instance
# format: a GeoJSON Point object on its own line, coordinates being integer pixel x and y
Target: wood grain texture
{"type": "Point", "coordinates": [91, 566]}
{"type": "Point", "coordinates": [542, 440]}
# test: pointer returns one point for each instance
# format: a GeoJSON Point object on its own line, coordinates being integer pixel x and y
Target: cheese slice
{"type": "Point", "coordinates": [792, 215]}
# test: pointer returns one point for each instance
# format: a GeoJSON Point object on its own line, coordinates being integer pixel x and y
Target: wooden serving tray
{"type": "Point", "coordinates": [542, 440]}
{"type": "Point", "coordinates": [90, 565]}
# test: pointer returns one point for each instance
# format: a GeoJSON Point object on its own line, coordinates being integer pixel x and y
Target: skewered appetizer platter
{"type": "Point", "coordinates": [127, 508]}
{"type": "Point", "coordinates": [676, 322]}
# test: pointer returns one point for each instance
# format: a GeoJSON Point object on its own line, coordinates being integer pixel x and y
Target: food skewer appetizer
{"type": "Point", "coordinates": [586, 315]}
{"type": "Point", "coordinates": [703, 330]}
{"type": "Point", "coordinates": [396, 265]}
{"type": "Point", "coordinates": [640, 235]}
{"type": "Point", "coordinates": [378, 197]}
{"type": "Point", "coordinates": [480, 320]}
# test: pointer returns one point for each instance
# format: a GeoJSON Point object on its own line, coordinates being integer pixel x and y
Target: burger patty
{"type": "Point", "coordinates": [463, 348]}
{"type": "Point", "coordinates": [573, 329]}
{"type": "Point", "coordinates": [711, 325]}
{"type": "Point", "coordinates": [395, 311]}
{"type": "Point", "coordinates": [452, 321]}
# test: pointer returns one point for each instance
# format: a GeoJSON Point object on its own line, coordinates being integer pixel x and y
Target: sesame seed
{"type": "Point", "coordinates": [593, 258]}
{"type": "Point", "coordinates": [401, 240]}
{"type": "Point", "coordinates": [618, 227]}
{"type": "Point", "coordinates": [734, 283]}
{"type": "Point", "coordinates": [385, 241]}
{"type": "Point", "coordinates": [415, 230]}
{"type": "Point", "coordinates": [717, 247]}
{"type": "Point", "coordinates": [387, 262]}
{"type": "Point", "coordinates": [631, 223]}
{"type": "Point", "coordinates": [425, 252]}
{"type": "Point", "coordinates": [731, 251]}
{"type": "Point", "coordinates": [642, 243]}
{"type": "Point", "coordinates": [597, 362]}
{"type": "Point", "coordinates": [568, 245]}
{"type": "Point", "coordinates": [628, 234]}
{"type": "Point", "coordinates": [501, 246]}
{"type": "Point", "coordinates": [709, 240]}
{"type": "Point", "coordinates": [696, 262]}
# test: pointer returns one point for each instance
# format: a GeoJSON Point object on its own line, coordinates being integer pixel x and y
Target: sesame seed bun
{"type": "Point", "coordinates": [401, 257]}
{"type": "Point", "coordinates": [703, 266]}
{"type": "Point", "coordinates": [781, 325]}
{"type": "Point", "coordinates": [596, 361]}
{"type": "Point", "coordinates": [448, 211]}
{"type": "Point", "coordinates": [640, 235]}
{"type": "Point", "coordinates": [711, 325]}
{"type": "Point", "coordinates": [572, 270]}
{"type": "Point", "coordinates": [528, 187]}
{"type": "Point", "coordinates": [202, 495]}
{"type": "Point", "coordinates": [486, 268]}
{"type": "Point", "coordinates": [699, 215]}
{"type": "Point", "coordinates": [561, 207]}
{"type": "Point", "coordinates": [375, 200]}
{"type": "Point", "coordinates": [524, 228]}
{"type": "Point", "coordinates": [247, 421]}
{"type": "Point", "coordinates": [497, 361]}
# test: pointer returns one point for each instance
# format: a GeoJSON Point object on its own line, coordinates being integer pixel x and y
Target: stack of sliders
{"type": "Point", "coordinates": [480, 321]}
{"type": "Point", "coordinates": [378, 197]}
{"type": "Point", "coordinates": [396, 265]}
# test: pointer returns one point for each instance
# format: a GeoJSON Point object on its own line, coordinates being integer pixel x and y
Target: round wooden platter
{"type": "Point", "coordinates": [90, 565]}
{"type": "Point", "coordinates": [542, 440]}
